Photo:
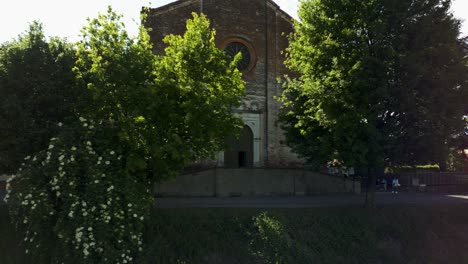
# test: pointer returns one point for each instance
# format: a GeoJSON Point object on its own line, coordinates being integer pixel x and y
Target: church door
{"type": "Point", "coordinates": [239, 152]}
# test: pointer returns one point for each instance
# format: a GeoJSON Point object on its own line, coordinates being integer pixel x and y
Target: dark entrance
{"type": "Point", "coordinates": [239, 152]}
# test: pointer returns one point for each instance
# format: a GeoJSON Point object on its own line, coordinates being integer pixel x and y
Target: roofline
{"type": "Point", "coordinates": [180, 3]}
{"type": "Point", "coordinates": [284, 14]}
{"type": "Point", "coordinates": [172, 5]}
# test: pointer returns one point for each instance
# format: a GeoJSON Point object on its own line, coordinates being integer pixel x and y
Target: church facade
{"type": "Point", "coordinates": [258, 29]}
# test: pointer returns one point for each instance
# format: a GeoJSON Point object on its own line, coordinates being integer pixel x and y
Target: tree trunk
{"type": "Point", "coordinates": [442, 164]}
{"type": "Point", "coordinates": [442, 157]}
{"type": "Point", "coordinates": [369, 202]}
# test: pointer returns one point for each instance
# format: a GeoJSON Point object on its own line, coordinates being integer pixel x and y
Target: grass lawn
{"type": "Point", "coordinates": [409, 234]}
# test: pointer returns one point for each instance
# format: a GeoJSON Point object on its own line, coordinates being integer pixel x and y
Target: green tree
{"type": "Point", "coordinates": [171, 109]}
{"type": "Point", "coordinates": [36, 92]}
{"type": "Point", "coordinates": [86, 197]}
{"type": "Point", "coordinates": [432, 86]}
{"type": "Point", "coordinates": [334, 110]}
{"type": "Point", "coordinates": [381, 83]}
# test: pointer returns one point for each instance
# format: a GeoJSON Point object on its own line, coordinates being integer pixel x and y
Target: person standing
{"type": "Point", "coordinates": [395, 185]}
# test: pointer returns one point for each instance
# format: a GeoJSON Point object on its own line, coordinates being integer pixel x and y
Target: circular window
{"type": "Point", "coordinates": [233, 46]}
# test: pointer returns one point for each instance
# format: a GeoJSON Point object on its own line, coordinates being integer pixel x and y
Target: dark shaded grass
{"type": "Point", "coordinates": [408, 234]}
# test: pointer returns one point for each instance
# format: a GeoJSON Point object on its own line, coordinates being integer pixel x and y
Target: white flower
{"type": "Point", "coordinates": [60, 124]}
{"type": "Point", "coordinates": [70, 214]}
{"type": "Point", "coordinates": [82, 119]}
{"type": "Point", "coordinates": [5, 199]}
{"type": "Point", "coordinates": [88, 143]}
{"type": "Point", "coordinates": [27, 157]}
{"type": "Point", "coordinates": [107, 162]}
{"type": "Point", "coordinates": [91, 127]}
{"type": "Point", "coordinates": [90, 228]}
{"type": "Point", "coordinates": [61, 157]}
{"type": "Point", "coordinates": [129, 205]}
{"type": "Point", "coordinates": [112, 152]}
{"type": "Point", "coordinates": [99, 158]}
{"type": "Point", "coordinates": [85, 124]}
{"type": "Point", "coordinates": [73, 148]}
{"type": "Point", "coordinates": [135, 215]}
{"type": "Point", "coordinates": [96, 181]}
{"type": "Point", "coordinates": [51, 146]}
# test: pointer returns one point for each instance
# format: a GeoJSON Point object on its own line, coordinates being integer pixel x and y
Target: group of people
{"type": "Point", "coordinates": [382, 184]}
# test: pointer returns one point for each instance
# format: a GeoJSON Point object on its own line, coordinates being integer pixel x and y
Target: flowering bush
{"type": "Point", "coordinates": [76, 202]}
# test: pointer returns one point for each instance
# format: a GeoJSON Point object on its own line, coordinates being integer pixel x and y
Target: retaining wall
{"type": "Point", "coordinates": [255, 182]}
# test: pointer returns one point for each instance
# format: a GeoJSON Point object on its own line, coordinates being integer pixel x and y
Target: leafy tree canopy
{"type": "Point", "coordinates": [36, 92]}
{"type": "Point", "coordinates": [381, 82]}
{"type": "Point", "coordinates": [85, 197]}
{"type": "Point", "coordinates": [171, 109]}
{"type": "Point", "coordinates": [432, 84]}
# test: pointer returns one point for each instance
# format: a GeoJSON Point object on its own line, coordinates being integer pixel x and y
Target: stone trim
{"type": "Point", "coordinates": [245, 42]}
{"type": "Point", "coordinates": [253, 122]}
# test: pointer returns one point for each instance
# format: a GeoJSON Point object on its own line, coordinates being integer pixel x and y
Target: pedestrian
{"type": "Point", "coordinates": [395, 185]}
{"type": "Point", "coordinates": [384, 184]}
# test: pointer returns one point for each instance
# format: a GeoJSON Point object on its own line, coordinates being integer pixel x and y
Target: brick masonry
{"type": "Point", "coordinates": [263, 25]}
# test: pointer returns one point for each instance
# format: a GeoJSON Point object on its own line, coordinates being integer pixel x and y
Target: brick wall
{"type": "Point", "coordinates": [263, 25]}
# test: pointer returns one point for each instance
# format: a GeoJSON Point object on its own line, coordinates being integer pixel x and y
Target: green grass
{"type": "Point", "coordinates": [419, 234]}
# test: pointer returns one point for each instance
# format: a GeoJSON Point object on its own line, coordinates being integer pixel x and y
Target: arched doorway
{"type": "Point", "coordinates": [239, 152]}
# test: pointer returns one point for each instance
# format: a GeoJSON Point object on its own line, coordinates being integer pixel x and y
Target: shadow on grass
{"type": "Point", "coordinates": [396, 234]}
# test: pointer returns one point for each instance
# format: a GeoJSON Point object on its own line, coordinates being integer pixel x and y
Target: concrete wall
{"type": "Point", "coordinates": [255, 182]}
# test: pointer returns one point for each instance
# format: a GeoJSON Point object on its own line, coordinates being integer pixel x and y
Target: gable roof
{"type": "Point", "coordinates": [181, 3]}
